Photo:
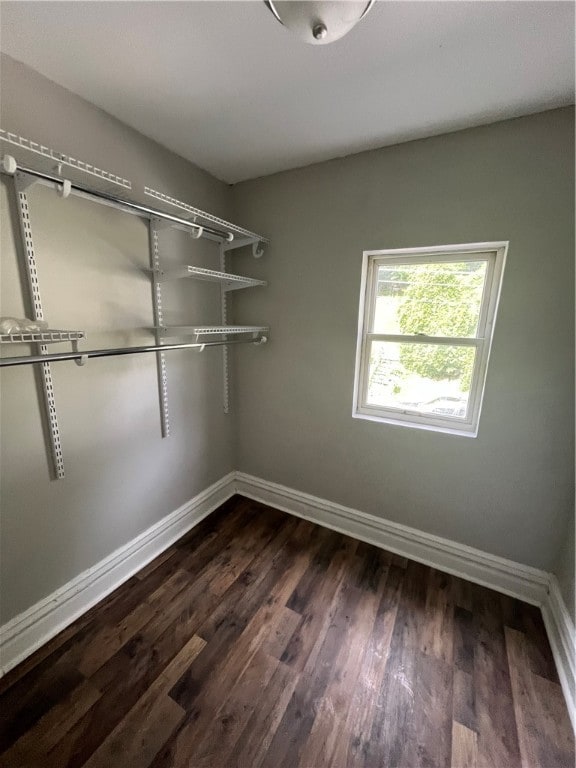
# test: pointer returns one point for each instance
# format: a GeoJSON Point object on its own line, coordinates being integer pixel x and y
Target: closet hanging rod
{"type": "Point", "coordinates": [113, 352]}
{"type": "Point", "coordinates": [125, 205]}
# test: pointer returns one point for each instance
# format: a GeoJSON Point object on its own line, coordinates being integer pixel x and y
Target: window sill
{"type": "Point", "coordinates": [447, 430]}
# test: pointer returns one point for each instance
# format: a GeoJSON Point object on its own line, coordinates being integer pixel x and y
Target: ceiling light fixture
{"type": "Point", "coordinates": [319, 23]}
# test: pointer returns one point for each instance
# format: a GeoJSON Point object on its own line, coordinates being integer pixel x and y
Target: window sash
{"type": "Point", "coordinates": [473, 397]}
{"type": "Point", "coordinates": [488, 256]}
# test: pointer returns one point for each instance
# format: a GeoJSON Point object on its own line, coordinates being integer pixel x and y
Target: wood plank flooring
{"type": "Point", "coordinates": [262, 640]}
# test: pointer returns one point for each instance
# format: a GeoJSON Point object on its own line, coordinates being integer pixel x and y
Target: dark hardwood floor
{"type": "Point", "coordinates": [262, 640]}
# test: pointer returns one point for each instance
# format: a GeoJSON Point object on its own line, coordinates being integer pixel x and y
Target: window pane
{"type": "Point", "coordinates": [426, 378]}
{"type": "Point", "coordinates": [437, 299]}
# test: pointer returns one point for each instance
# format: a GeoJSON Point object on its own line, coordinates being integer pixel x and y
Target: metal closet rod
{"type": "Point", "coordinates": [127, 205]}
{"type": "Point", "coordinates": [82, 356]}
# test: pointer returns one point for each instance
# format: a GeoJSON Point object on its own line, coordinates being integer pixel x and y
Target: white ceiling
{"type": "Point", "coordinates": [226, 86]}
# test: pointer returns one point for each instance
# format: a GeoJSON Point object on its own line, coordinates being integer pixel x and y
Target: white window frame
{"type": "Point", "coordinates": [495, 255]}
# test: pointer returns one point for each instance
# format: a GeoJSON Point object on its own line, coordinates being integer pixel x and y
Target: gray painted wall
{"type": "Point", "coordinates": [121, 477]}
{"type": "Point", "coordinates": [510, 490]}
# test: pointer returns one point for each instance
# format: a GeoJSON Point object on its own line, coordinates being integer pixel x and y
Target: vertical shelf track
{"type": "Point", "coordinates": [224, 315]}
{"type": "Point", "coordinates": [155, 226]}
{"type": "Point", "coordinates": [22, 182]}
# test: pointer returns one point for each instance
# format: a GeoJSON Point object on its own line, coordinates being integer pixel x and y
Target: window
{"type": "Point", "coordinates": [425, 328]}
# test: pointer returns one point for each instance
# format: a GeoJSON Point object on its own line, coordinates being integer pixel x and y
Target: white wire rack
{"type": "Point", "coordinates": [210, 330]}
{"type": "Point", "coordinates": [229, 236]}
{"type": "Point", "coordinates": [41, 337]}
{"type": "Point", "coordinates": [61, 159]}
{"type": "Point", "coordinates": [196, 213]}
{"type": "Point", "coordinates": [228, 281]}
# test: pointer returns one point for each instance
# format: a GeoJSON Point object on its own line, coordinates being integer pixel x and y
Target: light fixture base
{"type": "Point", "coordinates": [319, 23]}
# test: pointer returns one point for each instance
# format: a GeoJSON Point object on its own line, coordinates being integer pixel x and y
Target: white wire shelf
{"type": "Point", "coordinates": [228, 281]}
{"type": "Point", "coordinates": [209, 330]}
{"type": "Point", "coordinates": [196, 213]}
{"type": "Point", "coordinates": [62, 159]}
{"type": "Point", "coordinates": [41, 337]}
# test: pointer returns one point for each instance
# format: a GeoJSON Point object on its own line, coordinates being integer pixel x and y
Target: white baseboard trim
{"type": "Point", "coordinates": [562, 636]}
{"type": "Point", "coordinates": [521, 581]}
{"type": "Point", "coordinates": [34, 627]}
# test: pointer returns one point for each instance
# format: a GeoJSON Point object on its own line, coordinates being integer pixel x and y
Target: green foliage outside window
{"type": "Point", "coordinates": [438, 300]}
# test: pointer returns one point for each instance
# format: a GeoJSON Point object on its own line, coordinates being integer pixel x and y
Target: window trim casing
{"type": "Point", "coordinates": [482, 342]}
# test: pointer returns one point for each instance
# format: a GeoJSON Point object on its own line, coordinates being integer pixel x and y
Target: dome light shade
{"type": "Point", "coordinates": [319, 23]}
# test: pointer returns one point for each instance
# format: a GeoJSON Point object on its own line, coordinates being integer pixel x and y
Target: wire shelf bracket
{"type": "Point", "coordinates": [257, 244]}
